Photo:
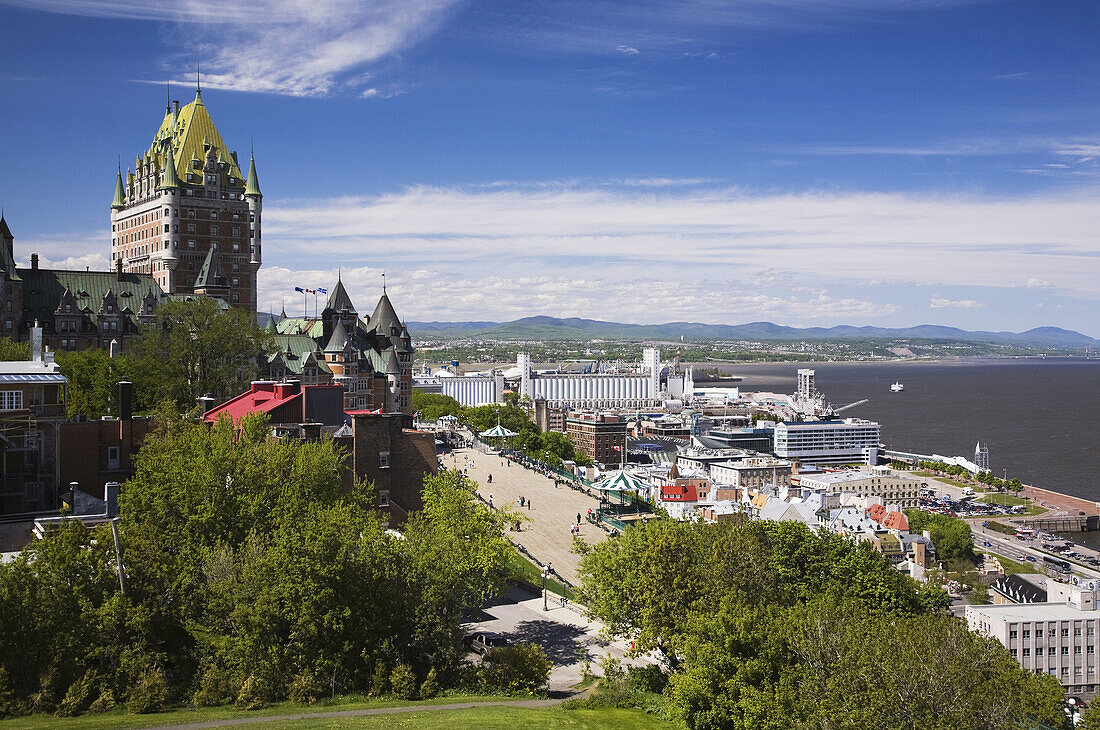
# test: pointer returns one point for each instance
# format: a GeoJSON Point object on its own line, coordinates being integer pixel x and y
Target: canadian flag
{"type": "Point", "coordinates": [378, 411]}
{"type": "Point", "coordinates": [617, 448]}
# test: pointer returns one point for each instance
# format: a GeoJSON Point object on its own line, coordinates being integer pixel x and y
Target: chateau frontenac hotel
{"type": "Point", "coordinates": [186, 215]}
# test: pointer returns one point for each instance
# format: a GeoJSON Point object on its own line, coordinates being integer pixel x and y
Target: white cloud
{"type": "Point", "coordinates": [629, 50]}
{"type": "Point", "coordinates": [938, 302]}
{"type": "Point", "coordinates": [295, 47]}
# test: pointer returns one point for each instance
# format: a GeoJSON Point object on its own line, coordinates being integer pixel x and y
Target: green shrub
{"type": "Point", "coordinates": [379, 681]}
{"type": "Point", "coordinates": [251, 696]}
{"type": "Point", "coordinates": [150, 694]}
{"type": "Point", "coordinates": [647, 678]}
{"type": "Point", "coordinates": [79, 697]}
{"type": "Point", "coordinates": [430, 687]}
{"type": "Point", "coordinates": [305, 689]}
{"type": "Point", "coordinates": [403, 682]}
{"type": "Point", "coordinates": [523, 668]}
{"type": "Point", "coordinates": [215, 688]}
{"type": "Point", "coordinates": [105, 701]}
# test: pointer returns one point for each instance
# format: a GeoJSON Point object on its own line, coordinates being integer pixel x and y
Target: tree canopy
{"type": "Point", "coordinates": [769, 625]}
{"type": "Point", "coordinates": [249, 574]}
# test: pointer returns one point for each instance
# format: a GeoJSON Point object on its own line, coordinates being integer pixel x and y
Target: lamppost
{"type": "Point", "coordinates": [545, 575]}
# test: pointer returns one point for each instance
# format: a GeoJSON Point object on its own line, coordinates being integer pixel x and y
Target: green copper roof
{"type": "Point", "coordinates": [120, 193]}
{"type": "Point", "coordinates": [187, 135]}
{"type": "Point", "coordinates": [169, 179]}
{"type": "Point", "coordinates": [252, 187]}
{"type": "Point", "coordinates": [43, 290]}
{"type": "Point", "coordinates": [211, 275]}
{"type": "Point", "coordinates": [7, 263]}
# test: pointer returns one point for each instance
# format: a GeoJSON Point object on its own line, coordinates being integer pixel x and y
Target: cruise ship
{"type": "Point", "coordinates": [897, 387]}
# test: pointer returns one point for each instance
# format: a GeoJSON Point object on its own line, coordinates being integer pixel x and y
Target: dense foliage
{"type": "Point", "coordinates": [193, 348]}
{"type": "Point", "coordinates": [983, 477]}
{"type": "Point", "coordinates": [951, 535]}
{"type": "Point", "coordinates": [769, 625]}
{"type": "Point", "coordinates": [250, 577]}
{"type": "Point", "coordinates": [551, 448]}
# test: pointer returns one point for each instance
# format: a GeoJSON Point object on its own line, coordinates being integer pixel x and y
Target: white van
{"type": "Point", "coordinates": [968, 491]}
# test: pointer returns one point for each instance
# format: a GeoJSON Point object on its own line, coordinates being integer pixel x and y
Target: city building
{"type": "Point", "coordinates": [98, 452]}
{"type": "Point", "coordinates": [370, 357]}
{"type": "Point", "coordinates": [602, 436]}
{"type": "Point", "coordinates": [547, 418]}
{"type": "Point", "coordinates": [875, 481]}
{"type": "Point", "coordinates": [292, 409]}
{"type": "Point", "coordinates": [594, 390]}
{"type": "Point", "coordinates": [186, 215]}
{"type": "Point", "coordinates": [754, 472]}
{"type": "Point", "coordinates": [75, 310]}
{"type": "Point", "coordinates": [395, 459]}
{"type": "Point", "coordinates": [1057, 637]}
{"type": "Point", "coordinates": [469, 389]}
{"type": "Point", "coordinates": [1016, 588]}
{"type": "Point", "coordinates": [32, 408]}
{"type": "Point", "coordinates": [841, 441]}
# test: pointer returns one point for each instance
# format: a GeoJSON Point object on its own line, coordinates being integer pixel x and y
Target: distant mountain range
{"type": "Point", "coordinates": [574, 328]}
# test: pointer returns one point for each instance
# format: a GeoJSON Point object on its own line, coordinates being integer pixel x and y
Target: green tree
{"type": "Point", "coordinates": [12, 350]}
{"type": "Point", "coordinates": [951, 535]}
{"type": "Point", "coordinates": [200, 347]}
{"type": "Point", "coordinates": [433, 406]}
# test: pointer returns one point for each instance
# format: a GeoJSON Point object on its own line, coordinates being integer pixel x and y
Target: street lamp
{"type": "Point", "coordinates": [545, 575]}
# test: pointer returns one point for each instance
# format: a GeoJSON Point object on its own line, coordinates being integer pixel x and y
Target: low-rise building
{"type": "Point", "coordinates": [1016, 589]}
{"type": "Point", "coordinates": [290, 407]}
{"type": "Point", "coordinates": [874, 481]}
{"type": "Point", "coordinates": [32, 408]}
{"type": "Point", "coordinates": [1057, 637]}
{"type": "Point", "coordinates": [754, 472]}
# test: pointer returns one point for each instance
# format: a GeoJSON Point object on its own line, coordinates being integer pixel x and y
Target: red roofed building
{"type": "Point", "coordinates": [877, 512]}
{"type": "Point", "coordinates": [286, 404]}
{"type": "Point", "coordinates": [679, 493]}
{"type": "Point", "coordinates": [896, 521]}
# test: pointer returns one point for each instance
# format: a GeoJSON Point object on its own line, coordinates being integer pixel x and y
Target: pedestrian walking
{"type": "Point", "coordinates": [490, 500]}
{"type": "Point", "coordinates": [578, 519]}
{"type": "Point", "coordinates": [528, 504]}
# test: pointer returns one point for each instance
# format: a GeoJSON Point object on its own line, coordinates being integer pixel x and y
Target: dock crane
{"type": "Point", "coordinates": [835, 411]}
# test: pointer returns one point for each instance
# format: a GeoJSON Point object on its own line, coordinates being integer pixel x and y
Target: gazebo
{"type": "Point", "coordinates": [497, 432]}
{"type": "Point", "coordinates": [618, 482]}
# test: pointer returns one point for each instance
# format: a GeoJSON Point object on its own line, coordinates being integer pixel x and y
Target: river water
{"type": "Point", "coordinates": [1039, 418]}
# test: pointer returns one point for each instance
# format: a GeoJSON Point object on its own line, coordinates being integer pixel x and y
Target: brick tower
{"type": "Point", "coordinates": [185, 198]}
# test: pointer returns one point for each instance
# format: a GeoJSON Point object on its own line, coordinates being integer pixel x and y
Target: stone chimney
{"type": "Point", "coordinates": [110, 495]}
{"type": "Point", "coordinates": [118, 268]}
{"type": "Point", "coordinates": [34, 262]}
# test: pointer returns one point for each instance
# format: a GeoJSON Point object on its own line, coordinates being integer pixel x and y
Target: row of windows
{"type": "Point", "coordinates": [1064, 632]}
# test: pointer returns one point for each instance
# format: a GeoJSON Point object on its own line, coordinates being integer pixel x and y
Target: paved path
{"type": "Point", "coordinates": [568, 637]}
{"type": "Point", "coordinates": [353, 713]}
{"type": "Point", "coordinates": [545, 534]}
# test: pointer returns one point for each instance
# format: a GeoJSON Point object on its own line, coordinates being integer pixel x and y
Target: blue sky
{"type": "Point", "coordinates": [808, 162]}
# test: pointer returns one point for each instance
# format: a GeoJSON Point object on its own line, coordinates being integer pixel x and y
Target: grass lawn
{"type": "Point", "coordinates": [1011, 566]}
{"type": "Point", "coordinates": [491, 718]}
{"type": "Point", "coordinates": [950, 480]}
{"type": "Point", "coordinates": [1008, 500]}
{"type": "Point", "coordinates": [120, 718]}
{"type": "Point", "coordinates": [524, 569]}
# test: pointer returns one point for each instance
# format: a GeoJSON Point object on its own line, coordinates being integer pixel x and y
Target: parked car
{"type": "Point", "coordinates": [482, 641]}
{"type": "Point", "coordinates": [1031, 559]}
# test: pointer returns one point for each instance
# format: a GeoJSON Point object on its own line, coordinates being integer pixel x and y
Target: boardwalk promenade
{"type": "Point", "coordinates": [545, 533]}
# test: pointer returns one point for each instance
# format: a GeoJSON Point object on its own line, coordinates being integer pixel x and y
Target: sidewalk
{"type": "Point", "coordinates": [545, 533]}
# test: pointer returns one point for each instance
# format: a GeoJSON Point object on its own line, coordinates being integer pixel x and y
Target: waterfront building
{"type": "Point", "coordinates": [469, 389]}
{"type": "Point", "coordinates": [186, 215]}
{"type": "Point", "coordinates": [1057, 637]}
{"type": "Point", "coordinates": [597, 390]}
{"type": "Point", "coordinates": [601, 436]}
{"type": "Point", "coordinates": [840, 441]}
{"type": "Point", "coordinates": [370, 357]}
{"type": "Point", "coordinates": [876, 482]}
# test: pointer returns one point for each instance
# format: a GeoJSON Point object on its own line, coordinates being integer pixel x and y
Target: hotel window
{"type": "Point", "coordinates": [1052, 651]}
{"type": "Point", "coordinates": [190, 227]}
{"type": "Point", "coordinates": [1027, 651]}
{"type": "Point", "coordinates": [236, 298]}
{"type": "Point", "coordinates": [1038, 633]}
{"type": "Point", "coordinates": [1065, 633]}
{"type": "Point", "coordinates": [191, 245]}
{"type": "Point", "coordinates": [190, 214]}
{"type": "Point", "coordinates": [213, 215]}
{"type": "Point", "coordinates": [1076, 650]}
{"type": "Point", "coordinates": [1027, 633]}
{"type": "Point", "coordinates": [236, 232]}
{"type": "Point", "coordinates": [1077, 631]}
{"type": "Point", "coordinates": [11, 400]}
{"type": "Point", "coordinates": [383, 459]}
{"type": "Point", "coordinates": [1065, 651]}
{"type": "Point", "coordinates": [236, 282]}
{"type": "Point", "coordinates": [384, 498]}
{"type": "Point", "coordinates": [213, 230]}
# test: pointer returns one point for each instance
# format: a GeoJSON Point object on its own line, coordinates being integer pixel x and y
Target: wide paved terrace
{"type": "Point", "coordinates": [553, 509]}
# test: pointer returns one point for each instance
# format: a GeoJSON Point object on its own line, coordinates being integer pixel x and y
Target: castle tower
{"type": "Point", "coordinates": [185, 197]}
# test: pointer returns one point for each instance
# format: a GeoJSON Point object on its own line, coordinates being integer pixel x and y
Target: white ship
{"type": "Point", "coordinates": [897, 387]}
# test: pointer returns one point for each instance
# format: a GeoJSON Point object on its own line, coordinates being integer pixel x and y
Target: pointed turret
{"type": "Point", "coordinates": [385, 320]}
{"type": "Point", "coordinates": [212, 280]}
{"type": "Point", "coordinates": [169, 180]}
{"type": "Point", "coordinates": [338, 300]}
{"type": "Point", "coordinates": [120, 193]}
{"type": "Point", "coordinates": [252, 187]}
{"type": "Point", "coordinates": [7, 251]}
{"type": "Point", "coordinates": [339, 339]}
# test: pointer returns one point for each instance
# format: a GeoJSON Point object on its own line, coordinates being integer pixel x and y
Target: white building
{"type": "Point", "coordinates": [475, 389]}
{"type": "Point", "coordinates": [594, 391]}
{"type": "Point", "coordinates": [876, 481]}
{"type": "Point", "coordinates": [826, 442]}
{"type": "Point", "coordinates": [754, 472]}
{"type": "Point", "coordinates": [1058, 637]}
